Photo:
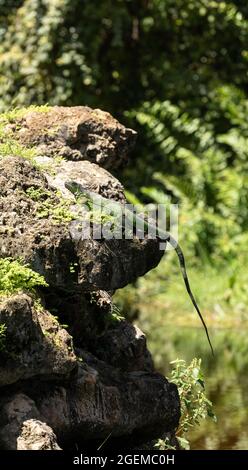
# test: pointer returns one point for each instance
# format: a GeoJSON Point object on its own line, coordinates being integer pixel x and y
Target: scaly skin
{"type": "Point", "coordinates": [80, 192]}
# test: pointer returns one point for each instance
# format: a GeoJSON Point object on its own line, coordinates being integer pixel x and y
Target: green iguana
{"type": "Point", "coordinates": [91, 198]}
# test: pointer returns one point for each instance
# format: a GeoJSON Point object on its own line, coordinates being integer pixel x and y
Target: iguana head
{"type": "Point", "coordinates": [81, 194]}
{"type": "Point", "coordinates": [73, 187]}
{"type": "Point", "coordinates": [77, 189]}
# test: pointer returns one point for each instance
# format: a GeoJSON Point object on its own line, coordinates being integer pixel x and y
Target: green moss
{"type": "Point", "coordinates": [8, 144]}
{"type": "Point", "coordinates": [62, 213]}
{"type": "Point", "coordinates": [48, 205]}
{"type": "Point", "coordinates": [58, 212]}
{"type": "Point", "coordinates": [37, 194]}
{"type": "Point", "coordinates": [58, 159]}
{"type": "Point", "coordinates": [51, 205]}
{"type": "Point", "coordinates": [17, 277]}
{"type": "Point", "coordinates": [54, 338]}
{"type": "Point", "coordinates": [38, 305]}
{"type": "Point", "coordinates": [19, 113]}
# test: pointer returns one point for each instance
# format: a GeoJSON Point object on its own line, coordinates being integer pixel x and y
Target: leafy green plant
{"type": "Point", "coordinates": [195, 406]}
{"type": "Point", "coordinates": [115, 315]}
{"type": "Point", "coordinates": [16, 277]}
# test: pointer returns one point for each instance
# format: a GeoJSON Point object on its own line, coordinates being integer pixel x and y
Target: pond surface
{"type": "Point", "coordinates": [231, 407]}
{"type": "Point", "coordinates": [226, 377]}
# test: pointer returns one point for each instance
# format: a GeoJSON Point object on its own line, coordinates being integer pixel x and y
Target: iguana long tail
{"type": "Point", "coordinates": [181, 258]}
{"type": "Point", "coordinates": [77, 189]}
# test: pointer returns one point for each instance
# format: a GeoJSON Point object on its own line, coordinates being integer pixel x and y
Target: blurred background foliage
{"type": "Point", "coordinates": [177, 72]}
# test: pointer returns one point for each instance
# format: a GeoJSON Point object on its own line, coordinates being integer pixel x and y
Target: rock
{"type": "Point", "coordinates": [96, 326]}
{"type": "Point", "coordinates": [77, 133]}
{"type": "Point", "coordinates": [103, 380]}
{"type": "Point", "coordinates": [88, 316]}
{"type": "Point", "coordinates": [36, 435]}
{"type": "Point", "coordinates": [112, 264]}
{"type": "Point", "coordinates": [124, 346]}
{"type": "Point", "coordinates": [45, 238]}
{"type": "Point", "coordinates": [89, 175]}
{"type": "Point", "coordinates": [14, 411]}
{"type": "Point", "coordinates": [104, 399]}
{"type": "Point", "coordinates": [99, 401]}
{"type": "Point", "coordinates": [36, 345]}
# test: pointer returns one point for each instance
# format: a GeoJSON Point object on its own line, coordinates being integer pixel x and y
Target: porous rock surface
{"type": "Point", "coordinates": [50, 247]}
{"type": "Point", "coordinates": [36, 435]}
{"type": "Point", "coordinates": [78, 133]}
{"type": "Point", "coordinates": [37, 345]}
{"type": "Point", "coordinates": [76, 385]}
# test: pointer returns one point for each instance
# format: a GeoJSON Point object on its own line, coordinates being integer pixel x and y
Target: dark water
{"type": "Point", "coordinates": [226, 378]}
{"type": "Point", "coordinates": [231, 408]}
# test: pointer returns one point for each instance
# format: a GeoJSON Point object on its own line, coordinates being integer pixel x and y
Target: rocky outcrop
{"type": "Point", "coordinates": [36, 345]}
{"type": "Point", "coordinates": [21, 429]}
{"type": "Point", "coordinates": [35, 225]}
{"type": "Point", "coordinates": [78, 133]}
{"type": "Point", "coordinates": [96, 377]}
{"type": "Point", "coordinates": [13, 413]}
{"type": "Point", "coordinates": [36, 435]}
